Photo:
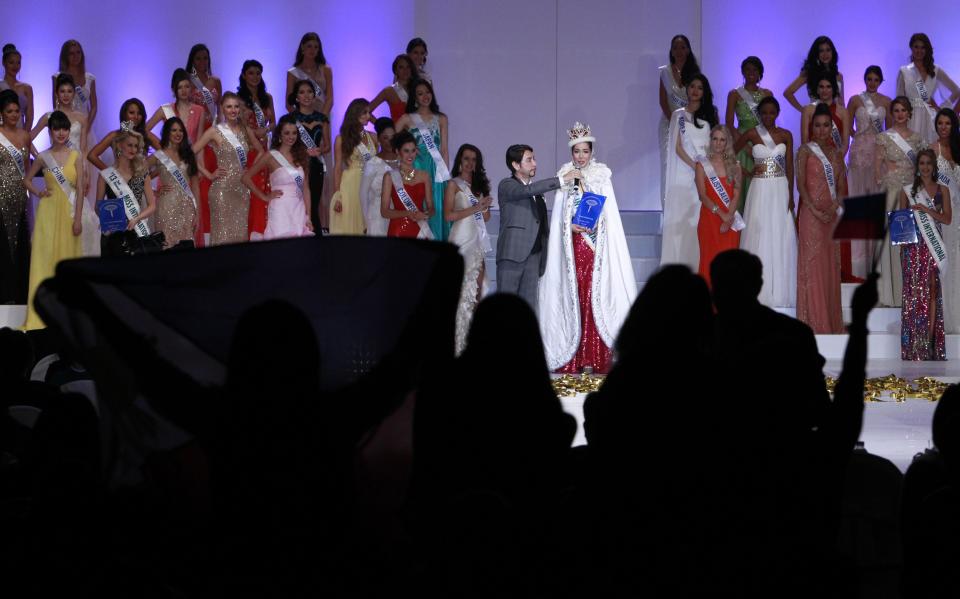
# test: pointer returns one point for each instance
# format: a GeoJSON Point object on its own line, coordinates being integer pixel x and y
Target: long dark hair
{"type": "Point", "coordinates": [294, 91]}
{"type": "Point", "coordinates": [707, 111]}
{"type": "Point", "coordinates": [183, 150]}
{"type": "Point", "coordinates": [351, 132]}
{"type": "Point", "coordinates": [412, 96]}
{"type": "Point", "coordinates": [954, 131]}
{"type": "Point", "coordinates": [299, 150]}
{"type": "Point", "coordinates": [813, 84]}
{"type": "Point", "coordinates": [310, 35]}
{"type": "Point", "coordinates": [7, 97]}
{"type": "Point", "coordinates": [690, 68]}
{"type": "Point", "coordinates": [404, 58]}
{"type": "Point", "coordinates": [928, 65]}
{"type": "Point", "coordinates": [244, 92]}
{"type": "Point", "coordinates": [480, 186]}
{"type": "Point", "coordinates": [916, 169]}
{"type": "Point", "coordinates": [63, 79]}
{"type": "Point", "coordinates": [812, 63]}
{"type": "Point", "coordinates": [141, 127]}
{"type": "Point", "coordinates": [193, 54]}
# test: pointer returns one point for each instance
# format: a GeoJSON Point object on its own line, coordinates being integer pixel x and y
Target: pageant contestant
{"type": "Point", "coordinates": [429, 128]}
{"type": "Point", "coordinates": [405, 198]}
{"type": "Point", "coordinates": [131, 119]}
{"type": "Point", "coordinates": [309, 64]}
{"type": "Point", "coordinates": [57, 228]}
{"type": "Point", "coordinates": [589, 284]}
{"type": "Point", "coordinates": [353, 148]}
{"type": "Point", "coordinates": [826, 90]}
{"type": "Point", "coordinates": [206, 92]}
{"type": "Point", "coordinates": [193, 115]}
{"type": "Point", "coordinates": [467, 206]}
{"type": "Point", "coordinates": [179, 187]}
{"type": "Point", "coordinates": [522, 243]}
{"type": "Point", "coordinates": [822, 184]}
{"type": "Point", "coordinates": [897, 149]}
{"type": "Point", "coordinates": [821, 60]}
{"type": "Point", "coordinates": [258, 114]}
{"type": "Point", "coordinates": [11, 68]}
{"type": "Point", "coordinates": [921, 320]}
{"type": "Point", "coordinates": [947, 149]}
{"type": "Point", "coordinates": [129, 181]}
{"type": "Point", "coordinates": [674, 78]}
{"type": "Point", "coordinates": [395, 95]}
{"type": "Point", "coordinates": [73, 62]}
{"type": "Point", "coordinates": [417, 51]}
{"type": "Point", "coordinates": [288, 202]}
{"type": "Point", "coordinates": [919, 81]}
{"type": "Point", "coordinates": [229, 198]}
{"type": "Point", "coordinates": [314, 130]}
{"type": "Point", "coordinates": [743, 103]}
{"type": "Point", "coordinates": [719, 185]}
{"type": "Point", "coordinates": [14, 234]}
{"type": "Point", "coordinates": [771, 233]}
{"type": "Point", "coordinates": [371, 186]}
{"type": "Point", "coordinates": [689, 137]}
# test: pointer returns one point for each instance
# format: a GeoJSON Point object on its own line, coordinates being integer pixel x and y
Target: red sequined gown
{"type": "Point", "coordinates": [406, 227]}
{"type": "Point", "coordinates": [592, 351]}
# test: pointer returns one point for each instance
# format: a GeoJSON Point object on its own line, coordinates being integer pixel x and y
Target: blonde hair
{"type": "Point", "coordinates": [138, 164]}
{"type": "Point", "coordinates": [730, 162]}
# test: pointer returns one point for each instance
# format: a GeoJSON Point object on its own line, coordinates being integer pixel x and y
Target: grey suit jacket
{"type": "Point", "coordinates": [519, 221]}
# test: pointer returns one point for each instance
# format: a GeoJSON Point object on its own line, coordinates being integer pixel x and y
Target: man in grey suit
{"type": "Point", "coordinates": [522, 244]}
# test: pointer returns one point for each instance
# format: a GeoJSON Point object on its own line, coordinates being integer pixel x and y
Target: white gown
{"type": "Point", "coordinates": [681, 203]}
{"type": "Point", "coordinates": [676, 98]}
{"type": "Point", "coordinates": [614, 285]}
{"type": "Point", "coordinates": [950, 276]}
{"type": "Point", "coordinates": [371, 184]}
{"type": "Point", "coordinates": [770, 233]}
{"type": "Point", "coordinates": [465, 235]}
{"type": "Point", "coordinates": [921, 120]}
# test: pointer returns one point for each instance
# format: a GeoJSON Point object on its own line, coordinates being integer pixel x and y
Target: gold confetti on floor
{"type": "Point", "coordinates": [568, 385]}
{"type": "Point", "coordinates": [898, 389]}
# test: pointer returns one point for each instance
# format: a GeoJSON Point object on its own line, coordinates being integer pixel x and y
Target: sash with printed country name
{"type": "Point", "coordinates": [827, 168]}
{"type": "Point", "coordinates": [14, 153]}
{"type": "Point", "coordinates": [670, 87]}
{"type": "Point", "coordinates": [767, 140]}
{"type": "Point", "coordinates": [57, 171]}
{"type": "Point", "coordinates": [903, 145]}
{"type": "Point", "coordinates": [872, 112]}
{"type": "Point", "coordinates": [407, 201]}
{"type": "Point", "coordinates": [401, 92]}
{"type": "Point", "coordinates": [717, 185]}
{"type": "Point", "coordinates": [751, 103]}
{"type": "Point", "coordinates": [232, 139]}
{"type": "Point", "coordinates": [921, 88]}
{"type": "Point", "coordinates": [927, 226]}
{"type": "Point", "coordinates": [301, 74]}
{"type": "Point", "coordinates": [944, 176]}
{"type": "Point", "coordinates": [290, 170]}
{"type": "Point", "coordinates": [441, 172]}
{"type": "Point", "coordinates": [205, 93]}
{"type": "Point", "coordinates": [308, 141]}
{"type": "Point", "coordinates": [123, 192]}
{"type": "Point", "coordinates": [82, 94]}
{"type": "Point", "coordinates": [259, 115]}
{"type": "Point", "coordinates": [476, 216]}
{"type": "Point", "coordinates": [177, 175]}
{"type": "Point", "coordinates": [169, 111]}
{"type": "Point", "coordinates": [364, 150]}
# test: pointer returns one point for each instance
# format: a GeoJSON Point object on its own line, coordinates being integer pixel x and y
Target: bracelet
{"type": "Point", "coordinates": [715, 209]}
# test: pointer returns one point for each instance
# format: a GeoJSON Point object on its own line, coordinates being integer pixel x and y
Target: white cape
{"type": "Point", "coordinates": [681, 203]}
{"type": "Point", "coordinates": [614, 282]}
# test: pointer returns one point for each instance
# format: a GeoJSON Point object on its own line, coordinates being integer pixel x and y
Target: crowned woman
{"type": "Point", "coordinates": [589, 283]}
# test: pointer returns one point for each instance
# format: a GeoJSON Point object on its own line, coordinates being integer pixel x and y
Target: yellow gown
{"type": "Point", "coordinates": [53, 238]}
{"type": "Point", "coordinates": [350, 221]}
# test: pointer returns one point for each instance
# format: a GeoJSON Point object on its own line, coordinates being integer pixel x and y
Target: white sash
{"type": "Point", "coordinates": [293, 172]}
{"type": "Point", "coordinates": [401, 92]}
{"type": "Point", "coordinates": [827, 168]}
{"type": "Point", "coordinates": [922, 90]}
{"type": "Point", "coordinates": [927, 226]}
{"type": "Point", "coordinates": [772, 146]}
{"type": "Point", "coordinates": [14, 153]}
{"type": "Point", "coordinates": [235, 142]}
{"type": "Point", "coordinates": [169, 111]}
{"type": "Point", "coordinates": [206, 93]}
{"type": "Point", "coordinates": [872, 112]}
{"type": "Point", "coordinates": [407, 201]}
{"type": "Point", "coordinates": [177, 174]}
{"type": "Point", "coordinates": [301, 74]}
{"type": "Point", "coordinates": [441, 172]}
{"type": "Point", "coordinates": [943, 176]}
{"type": "Point", "coordinates": [902, 144]}
{"type": "Point", "coordinates": [835, 133]}
{"type": "Point", "coordinates": [308, 141]}
{"type": "Point", "coordinates": [714, 179]}
{"type": "Point", "coordinates": [669, 86]}
{"type": "Point", "coordinates": [122, 190]}
{"type": "Point", "coordinates": [477, 216]}
{"type": "Point", "coordinates": [258, 114]}
{"type": "Point", "coordinates": [57, 171]}
{"type": "Point", "coordinates": [747, 97]}
{"type": "Point", "coordinates": [365, 152]}
{"type": "Point", "coordinates": [82, 93]}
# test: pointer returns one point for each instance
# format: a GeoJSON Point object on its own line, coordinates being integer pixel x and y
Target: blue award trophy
{"type": "Point", "coordinates": [112, 216]}
{"type": "Point", "coordinates": [588, 211]}
{"type": "Point", "coordinates": [903, 227]}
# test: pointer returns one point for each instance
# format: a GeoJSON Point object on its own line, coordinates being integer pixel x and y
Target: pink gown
{"type": "Point", "coordinates": [286, 215]}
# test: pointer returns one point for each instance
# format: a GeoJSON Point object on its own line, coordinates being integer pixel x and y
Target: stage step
{"type": "Point", "coordinates": [880, 346]}
{"type": "Point", "coordinates": [12, 316]}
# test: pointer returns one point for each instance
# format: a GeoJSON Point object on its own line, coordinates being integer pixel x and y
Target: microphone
{"type": "Point", "coordinates": [576, 182]}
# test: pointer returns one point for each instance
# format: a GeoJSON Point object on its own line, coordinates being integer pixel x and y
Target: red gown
{"type": "Point", "coordinates": [406, 227]}
{"type": "Point", "coordinates": [397, 110]}
{"type": "Point", "coordinates": [592, 351]}
{"type": "Point", "coordinates": [712, 241]}
{"type": "Point", "coordinates": [257, 222]}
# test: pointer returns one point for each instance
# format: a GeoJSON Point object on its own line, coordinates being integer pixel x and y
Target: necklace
{"type": "Point", "coordinates": [408, 177]}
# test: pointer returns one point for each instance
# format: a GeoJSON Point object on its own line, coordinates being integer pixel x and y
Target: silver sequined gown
{"type": "Point", "coordinates": [229, 197]}
{"type": "Point", "coordinates": [14, 236]}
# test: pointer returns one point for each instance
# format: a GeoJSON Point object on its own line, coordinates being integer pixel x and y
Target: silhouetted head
{"type": "Point", "coordinates": [505, 329]}
{"type": "Point", "coordinates": [16, 356]}
{"type": "Point", "coordinates": [737, 277]}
